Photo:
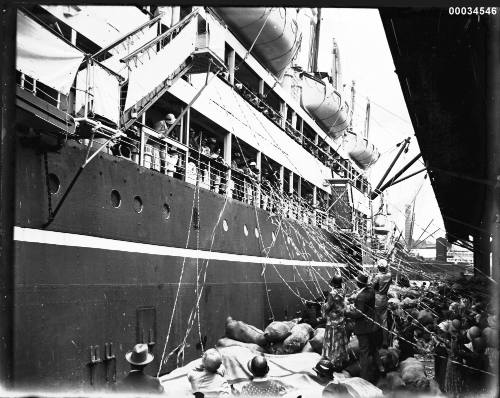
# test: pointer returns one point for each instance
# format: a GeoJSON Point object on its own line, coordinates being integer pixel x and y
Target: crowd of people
{"type": "Point", "coordinates": [451, 321]}
{"type": "Point", "coordinates": [369, 332]}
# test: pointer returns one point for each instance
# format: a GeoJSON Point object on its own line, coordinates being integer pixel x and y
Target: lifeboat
{"type": "Point", "coordinates": [279, 40]}
{"type": "Point", "coordinates": [380, 224]}
{"type": "Point", "coordinates": [363, 153]}
{"type": "Point", "coordinates": [325, 104]}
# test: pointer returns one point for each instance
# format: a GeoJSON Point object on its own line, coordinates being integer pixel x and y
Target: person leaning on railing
{"type": "Point", "coordinates": [162, 126]}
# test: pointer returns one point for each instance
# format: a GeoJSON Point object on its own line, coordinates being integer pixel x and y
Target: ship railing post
{"type": "Point", "coordinates": [283, 111]}
{"type": "Point", "coordinates": [231, 64]}
{"type": "Point", "coordinates": [314, 204]}
{"type": "Point", "coordinates": [282, 177]}
{"type": "Point", "coordinates": [142, 146]}
{"type": "Point", "coordinates": [258, 160]}
{"type": "Point", "coordinates": [228, 140]}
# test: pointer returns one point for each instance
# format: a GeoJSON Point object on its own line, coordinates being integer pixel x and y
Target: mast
{"type": "Point", "coordinates": [353, 99]}
{"type": "Point", "coordinates": [367, 119]}
{"type": "Point", "coordinates": [315, 49]}
{"type": "Point", "coordinates": [336, 72]}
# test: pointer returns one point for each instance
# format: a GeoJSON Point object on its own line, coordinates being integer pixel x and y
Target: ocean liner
{"type": "Point", "coordinates": [174, 166]}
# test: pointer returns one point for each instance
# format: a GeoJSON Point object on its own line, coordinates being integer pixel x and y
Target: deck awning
{"type": "Point", "coordinates": [44, 57]}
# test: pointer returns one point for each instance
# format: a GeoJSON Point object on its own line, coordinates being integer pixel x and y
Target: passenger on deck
{"type": "Point", "coordinates": [137, 381]}
{"type": "Point", "coordinates": [171, 160]}
{"type": "Point", "coordinates": [194, 139]}
{"type": "Point", "coordinates": [214, 148]}
{"type": "Point", "coordinates": [162, 127]}
{"type": "Point", "coordinates": [261, 385]}
{"type": "Point", "coordinates": [208, 378]}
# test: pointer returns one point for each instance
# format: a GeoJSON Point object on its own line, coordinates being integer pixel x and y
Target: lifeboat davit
{"type": "Point", "coordinates": [279, 40]}
{"type": "Point", "coordinates": [363, 153]}
{"type": "Point", "coordinates": [325, 104]}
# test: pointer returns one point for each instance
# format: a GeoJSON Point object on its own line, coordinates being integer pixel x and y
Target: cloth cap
{"type": "Point", "coordinates": [362, 278]}
{"type": "Point", "coordinates": [139, 355]}
{"type": "Point", "coordinates": [382, 264]}
{"type": "Point", "coordinates": [473, 332]}
{"type": "Point", "coordinates": [444, 326]}
{"type": "Point", "coordinates": [170, 118]}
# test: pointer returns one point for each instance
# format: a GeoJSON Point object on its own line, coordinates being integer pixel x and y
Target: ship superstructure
{"type": "Point", "coordinates": [175, 165]}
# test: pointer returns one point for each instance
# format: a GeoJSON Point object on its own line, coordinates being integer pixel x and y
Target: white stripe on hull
{"type": "Point", "coordinates": [93, 242]}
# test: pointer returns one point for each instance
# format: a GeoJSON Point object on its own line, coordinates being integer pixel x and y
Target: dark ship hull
{"type": "Point", "coordinates": [100, 274]}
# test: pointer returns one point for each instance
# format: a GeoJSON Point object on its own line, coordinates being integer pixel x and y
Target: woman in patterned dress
{"type": "Point", "coordinates": [335, 342]}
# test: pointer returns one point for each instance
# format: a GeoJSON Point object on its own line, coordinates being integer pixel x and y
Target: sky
{"type": "Point", "coordinates": [365, 58]}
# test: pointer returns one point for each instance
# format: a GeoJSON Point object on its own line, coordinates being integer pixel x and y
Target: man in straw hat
{"type": "Point", "coordinates": [137, 380]}
{"type": "Point", "coordinates": [365, 329]}
{"type": "Point", "coordinates": [208, 378]}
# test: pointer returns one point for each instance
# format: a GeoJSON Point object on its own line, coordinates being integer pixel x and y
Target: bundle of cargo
{"type": "Point", "coordinates": [279, 337]}
{"type": "Point", "coordinates": [413, 374]}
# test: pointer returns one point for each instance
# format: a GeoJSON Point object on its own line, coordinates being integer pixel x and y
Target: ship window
{"type": "Point", "coordinates": [225, 227]}
{"type": "Point", "coordinates": [116, 198]}
{"type": "Point", "coordinates": [257, 234]}
{"type": "Point", "coordinates": [54, 183]}
{"type": "Point", "coordinates": [166, 211]}
{"type": "Point", "coordinates": [138, 204]}
{"type": "Point", "coordinates": [245, 230]}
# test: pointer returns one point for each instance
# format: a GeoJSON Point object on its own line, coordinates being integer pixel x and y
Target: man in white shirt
{"type": "Point", "coordinates": [208, 378]}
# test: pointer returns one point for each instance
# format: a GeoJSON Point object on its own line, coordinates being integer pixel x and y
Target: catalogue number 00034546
{"type": "Point", "coordinates": [472, 11]}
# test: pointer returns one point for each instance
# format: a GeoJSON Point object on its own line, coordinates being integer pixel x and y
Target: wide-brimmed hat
{"type": "Point", "coordinates": [362, 278]}
{"type": "Point", "coordinates": [170, 118]}
{"type": "Point", "coordinates": [139, 355]}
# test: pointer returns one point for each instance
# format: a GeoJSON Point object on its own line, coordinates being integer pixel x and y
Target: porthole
{"type": "Point", "coordinates": [116, 199]}
{"type": "Point", "coordinates": [245, 229]}
{"type": "Point", "coordinates": [166, 211]}
{"type": "Point", "coordinates": [138, 204]}
{"type": "Point", "coordinates": [54, 183]}
{"type": "Point", "coordinates": [225, 227]}
{"type": "Point", "coordinates": [256, 232]}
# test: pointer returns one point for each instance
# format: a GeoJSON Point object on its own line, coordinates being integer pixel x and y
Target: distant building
{"type": "Point", "coordinates": [457, 254]}
{"type": "Point", "coordinates": [425, 250]}
{"type": "Point", "coordinates": [441, 249]}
